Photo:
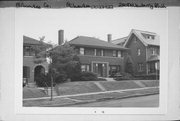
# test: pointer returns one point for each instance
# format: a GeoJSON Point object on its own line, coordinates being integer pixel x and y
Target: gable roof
{"type": "Point", "coordinates": [145, 41]}
{"type": "Point", "coordinates": [28, 40]}
{"type": "Point", "coordinates": [119, 40]}
{"type": "Point", "coordinates": [93, 42]}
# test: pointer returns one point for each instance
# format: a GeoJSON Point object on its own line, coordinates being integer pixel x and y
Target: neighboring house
{"type": "Point", "coordinates": [144, 51]}
{"type": "Point", "coordinates": [32, 66]}
{"type": "Point", "coordinates": [119, 41]}
{"type": "Point", "coordinates": [98, 56]}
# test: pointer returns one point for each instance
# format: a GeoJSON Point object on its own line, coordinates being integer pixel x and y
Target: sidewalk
{"type": "Point", "coordinates": [67, 100]}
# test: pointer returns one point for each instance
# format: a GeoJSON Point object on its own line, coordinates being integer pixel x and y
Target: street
{"type": "Point", "coordinates": [143, 101]}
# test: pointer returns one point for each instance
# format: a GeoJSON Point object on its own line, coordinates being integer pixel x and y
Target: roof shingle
{"type": "Point", "coordinates": [93, 42]}
{"type": "Point", "coordinates": [146, 41]}
{"type": "Point", "coordinates": [119, 40]}
{"type": "Point", "coordinates": [153, 58]}
{"type": "Point", "coordinates": [28, 40]}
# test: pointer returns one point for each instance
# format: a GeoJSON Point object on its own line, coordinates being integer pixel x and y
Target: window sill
{"type": "Point", "coordinates": [101, 56]}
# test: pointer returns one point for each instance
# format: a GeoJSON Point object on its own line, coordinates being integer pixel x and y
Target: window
{"type": "Point", "coordinates": [158, 51]}
{"type": "Point", "coordinates": [85, 68]}
{"type": "Point", "coordinates": [114, 53]}
{"type": "Point", "coordinates": [95, 53]}
{"type": "Point", "coordinates": [150, 37]}
{"type": "Point", "coordinates": [114, 69]}
{"type": "Point", "coordinates": [81, 51]}
{"type": "Point", "coordinates": [102, 53]}
{"type": "Point", "coordinates": [138, 52]}
{"type": "Point", "coordinates": [98, 52]}
{"type": "Point", "coordinates": [119, 54]}
{"type": "Point", "coordinates": [140, 66]}
{"type": "Point", "coordinates": [26, 72]}
{"type": "Point", "coordinates": [28, 51]}
{"type": "Point", "coordinates": [153, 51]}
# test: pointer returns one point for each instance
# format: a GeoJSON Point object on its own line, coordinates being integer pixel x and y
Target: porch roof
{"type": "Point", "coordinates": [153, 58]}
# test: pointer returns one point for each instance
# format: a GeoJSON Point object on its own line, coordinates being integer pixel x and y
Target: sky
{"type": "Point", "coordinates": [96, 23]}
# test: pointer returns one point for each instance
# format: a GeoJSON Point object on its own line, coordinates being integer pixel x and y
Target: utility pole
{"type": "Point", "coordinates": [51, 74]}
{"type": "Point", "coordinates": [51, 85]}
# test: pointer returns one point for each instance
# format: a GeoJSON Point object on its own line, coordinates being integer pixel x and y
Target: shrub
{"type": "Point", "coordinates": [101, 79]}
{"type": "Point", "coordinates": [125, 76]}
{"type": "Point", "coordinates": [40, 80]}
{"type": "Point", "coordinates": [88, 76]}
{"type": "Point", "coordinates": [61, 78]}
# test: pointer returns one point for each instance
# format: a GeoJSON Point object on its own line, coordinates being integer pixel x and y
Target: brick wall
{"type": "Point", "coordinates": [29, 62]}
{"type": "Point", "coordinates": [133, 45]}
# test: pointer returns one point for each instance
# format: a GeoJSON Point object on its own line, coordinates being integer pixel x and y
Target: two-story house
{"type": "Point", "coordinates": [98, 56]}
{"type": "Point", "coordinates": [144, 51]}
{"type": "Point", "coordinates": [32, 66]}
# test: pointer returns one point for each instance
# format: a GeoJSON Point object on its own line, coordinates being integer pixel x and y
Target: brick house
{"type": "Point", "coordinates": [144, 52]}
{"type": "Point", "coordinates": [98, 56]}
{"type": "Point", "coordinates": [32, 66]}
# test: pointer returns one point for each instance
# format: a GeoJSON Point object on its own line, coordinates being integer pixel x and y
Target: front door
{"type": "Point", "coordinates": [100, 69]}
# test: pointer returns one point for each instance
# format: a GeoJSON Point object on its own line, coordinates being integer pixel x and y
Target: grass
{"type": "Point", "coordinates": [76, 88]}
{"type": "Point", "coordinates": [33, 93]}
{"type": "Point", "coordinates": [71, 88]}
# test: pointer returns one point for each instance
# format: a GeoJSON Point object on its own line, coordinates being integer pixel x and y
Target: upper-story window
{"type": "Point", "coordinates": [28, 51]}
{"type": "Point", "coordinates": [98, 52]}
{"type": "Point", "coordinates": [81, 51]}
{"type": "Point", "coordinates": [114, 53]}
{"type": "Point", "coordinates": [119, 54]}
{"type": "Point", "coordinates": [153, 51]}
{"type": "Point", "coordinates": [102, 52]}
{"type": "Point", "coordinates": [148, 36]}
{"type": "Point", "coordinates": [138, 52]}
{"type": "Point", "coordinates": [95, 52]}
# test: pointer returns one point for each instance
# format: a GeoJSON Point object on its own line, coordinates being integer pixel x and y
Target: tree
{"type": "Point", "coordinates": [129, 65]}
{"type": "Point", "coordinates": [65, 62]}
{"type": "Point", "coordinates": [40, 49]}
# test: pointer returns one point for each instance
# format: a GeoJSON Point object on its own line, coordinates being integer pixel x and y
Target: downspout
{"type": "Point", "coordinates": [146, 61]}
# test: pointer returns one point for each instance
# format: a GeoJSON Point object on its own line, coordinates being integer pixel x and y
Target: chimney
{"type": "Point", "coordinates": [109, 37]}
{"type": "Point", "coordinates": [60, 37]}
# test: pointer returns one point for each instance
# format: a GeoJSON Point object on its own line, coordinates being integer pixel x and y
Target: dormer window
{"type": "Point", "coordinates": [150, 37]}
